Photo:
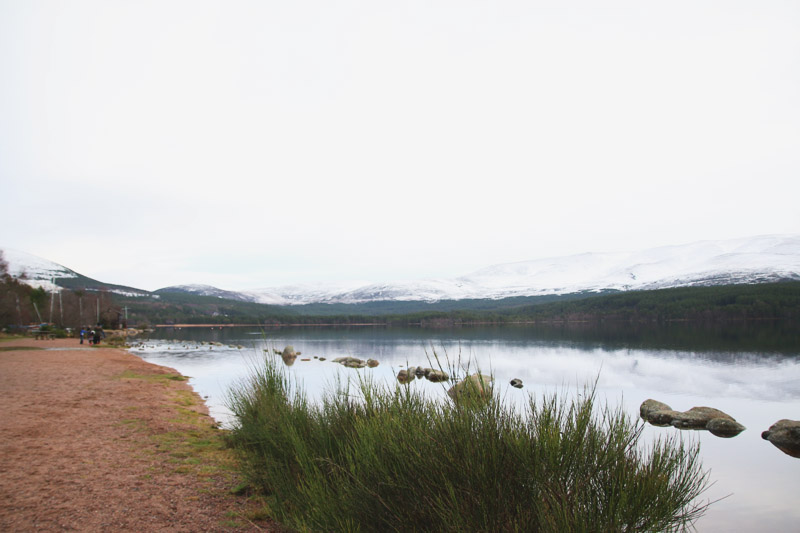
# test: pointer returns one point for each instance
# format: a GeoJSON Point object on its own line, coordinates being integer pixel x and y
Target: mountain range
{"type": "Point", "coordinates": [766, 258]}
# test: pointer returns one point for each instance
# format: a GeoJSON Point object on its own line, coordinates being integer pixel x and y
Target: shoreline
{"type": "Point", "coordinates": [96, 438]}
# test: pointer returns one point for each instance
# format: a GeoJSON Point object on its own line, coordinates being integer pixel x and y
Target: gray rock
{"type": "Point", "coordinates": [405, 377]}
{"type": "Point", "coordinates": [289, 351]}
{"type": "Point", "coordinates": [717, 422]}
{"type": "Point", "coordinates": [662, 418]}
{"type": "Point", "coordinates": [351, 362]}
{"type": "Point", "coordinates": [516, 383]}
{"type": "Point", "coordinates": [698, 417]}
{"type": "Point", "coordinates": [649, 406]}
{"type": "Point", "coordinates": [785, 435]}
{"type": "Point", "coordinates": [723, 427]}
{"type": "Point", "coordinates": [436, 376]}
{"type": "Point", "coordinates": [288, 355]}
{"type": "Point", "coordinates": [473, 388]}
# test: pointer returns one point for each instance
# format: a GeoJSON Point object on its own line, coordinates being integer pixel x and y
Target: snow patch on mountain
{"type": "Point", "coordinates": [749, 260]}
{"type": "Point", "coordinates": [35, 271]}
{"type": "Point", "coordinates": [208, 290]}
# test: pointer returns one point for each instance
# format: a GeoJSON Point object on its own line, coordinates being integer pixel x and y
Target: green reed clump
{"type": "Point", "coordinates": [391, 459]}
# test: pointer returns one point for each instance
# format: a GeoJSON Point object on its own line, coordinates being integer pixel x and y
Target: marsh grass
{"type": "Point", "coordinates": [391, 459]}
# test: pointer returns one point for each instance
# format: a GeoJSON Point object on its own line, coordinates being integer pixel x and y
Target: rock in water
{"type": "Point", "coordinates": [785, 435]}
{"type": "Point", "coordinates": [372, 363]}
{"type": "Point", "coordinates": [516, 383]}
{"type": "Point", "coordinates": [715, 421]}
{"type": "Point", "coordinates": [288, 355]}
{"type": "Point", "coordinates": [474, 387]}
{"type": "Point", "coordinates": [722, 427]}
{"type": "Point", "coordinates": [436, 376]}
{"type": "Point", "coordinates": [404, 377]}
{"type": "Point", "coordinates": [698, 417]}
{"type": "Point", "coordinates": [650, 406]}
{"type": "Point", "coordinates": [351, 362]}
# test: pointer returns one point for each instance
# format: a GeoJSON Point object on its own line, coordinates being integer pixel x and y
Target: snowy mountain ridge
{"type": "Point", "coordinates": [747, 260]}
{"type": "Point", "coordinates": [43, 273]}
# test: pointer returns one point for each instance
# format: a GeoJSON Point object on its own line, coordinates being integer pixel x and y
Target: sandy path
{"type": "Point", "coordinates": [83, 449]}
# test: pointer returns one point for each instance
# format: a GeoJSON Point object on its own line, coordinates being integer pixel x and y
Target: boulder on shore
{"type": "Point", "coordinates": [474, 388]}
{"type": "Point", "coordinates": [784, 435]}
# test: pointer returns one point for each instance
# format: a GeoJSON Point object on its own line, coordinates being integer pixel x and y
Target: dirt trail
{"type": "Point", "coordinates": [87, 443]}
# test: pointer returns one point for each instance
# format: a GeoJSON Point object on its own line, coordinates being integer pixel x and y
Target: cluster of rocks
{"type": "Point", "coordinates": [715, 421]}
{"type": "Point", "coordinates": [784, 435]}
{"type": "Point", "coordinates": [407, 375]}
{"type": "Point", "coordinates": [355, 362]}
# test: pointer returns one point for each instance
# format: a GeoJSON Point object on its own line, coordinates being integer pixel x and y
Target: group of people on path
{"type": "Point", "coordinates": [94, 335]}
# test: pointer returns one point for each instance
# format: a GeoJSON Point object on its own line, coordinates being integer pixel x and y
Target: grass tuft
{"type": "Point", "coordinates": [391, 459]}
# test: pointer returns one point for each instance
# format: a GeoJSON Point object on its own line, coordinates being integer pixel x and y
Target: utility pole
{"type": "Point", "coordinates": [52, 299]}
{"type": "Point", "coordinates": [19, 311]}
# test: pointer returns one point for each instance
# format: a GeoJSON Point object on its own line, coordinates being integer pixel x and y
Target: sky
{"type": "Point", "coordinates": [254, 144]}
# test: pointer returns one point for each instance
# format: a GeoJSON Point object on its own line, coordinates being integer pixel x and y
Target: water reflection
{"type": "Point", "coordinates": [749, 372]}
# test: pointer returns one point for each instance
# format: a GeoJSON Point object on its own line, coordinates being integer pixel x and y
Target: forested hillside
{"type": "Point", "coordinates": [732, 302]}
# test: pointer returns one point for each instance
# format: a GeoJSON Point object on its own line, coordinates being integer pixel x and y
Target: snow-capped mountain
{"type": "Point", "coordinates": [35, 271]}
{"type": "Point", "coordinates": [208, 290]}
{"type": "Point", "coordinates": [750, 260]}
{"type": "Point", "coordinates": [39, 272]}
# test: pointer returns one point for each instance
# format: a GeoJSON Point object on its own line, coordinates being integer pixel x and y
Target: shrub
{"type": "Point", "coordinates": [394, 459]}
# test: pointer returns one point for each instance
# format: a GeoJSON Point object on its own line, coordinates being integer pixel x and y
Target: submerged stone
{"type": "Point", "coordinates": [351, 362]}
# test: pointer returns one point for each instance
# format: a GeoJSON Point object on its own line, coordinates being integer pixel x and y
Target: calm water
{"type": "Point", "coordinates": [752, 373]}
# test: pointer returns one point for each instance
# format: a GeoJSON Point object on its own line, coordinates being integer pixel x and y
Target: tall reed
{"type": "Point", "coordinates": [392, 459]}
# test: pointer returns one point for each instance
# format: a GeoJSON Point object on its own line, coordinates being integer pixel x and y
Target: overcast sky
{"type": "Point", "coordinates": [252, 144]}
